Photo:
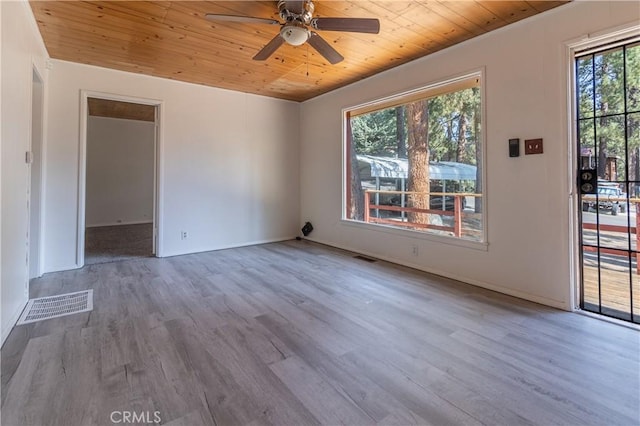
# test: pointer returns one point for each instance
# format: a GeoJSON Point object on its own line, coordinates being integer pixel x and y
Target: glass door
{"type": "Point", "coordinates": [608, 128]}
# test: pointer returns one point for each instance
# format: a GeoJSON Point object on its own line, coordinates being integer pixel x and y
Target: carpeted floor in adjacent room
{"type": "Point", "coordinates": [121, 242]}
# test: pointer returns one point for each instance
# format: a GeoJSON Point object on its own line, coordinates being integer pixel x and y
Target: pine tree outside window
{"type": "Point", "coordinates": [414, 161]}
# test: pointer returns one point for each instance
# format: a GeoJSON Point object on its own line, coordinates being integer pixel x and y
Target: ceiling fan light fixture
{"type": "Point", "coordinates": [295, 35]}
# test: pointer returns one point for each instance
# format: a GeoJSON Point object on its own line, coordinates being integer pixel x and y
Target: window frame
{"type": "Point", "coordinates": [432, 89]}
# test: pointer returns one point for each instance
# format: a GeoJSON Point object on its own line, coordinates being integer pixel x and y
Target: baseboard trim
{"type": "Point", "coordinates": [510, 292]}
{"type": "Point", "coordinates": [62, 268]}
{"type": "Point", "coordinates": [172, 254]}
{"type": "Point", "coordinates": [225, 247]}
{"type": "Point", "coordinates": [499, 289]}
{"type": "Point", "coordinates": [6, 330]}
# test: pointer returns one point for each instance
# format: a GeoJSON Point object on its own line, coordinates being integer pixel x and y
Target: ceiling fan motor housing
{"type": "Point", "coordinates": [304, 15]}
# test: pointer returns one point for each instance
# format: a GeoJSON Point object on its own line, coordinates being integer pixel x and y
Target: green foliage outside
{"type": "Point", "coordinates": [606, 117]}
{"type": "Point", "coordinates": [454, 129]}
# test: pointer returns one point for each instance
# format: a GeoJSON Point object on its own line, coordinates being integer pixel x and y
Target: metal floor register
{"type": "Point", "coordinates": [44, 308]}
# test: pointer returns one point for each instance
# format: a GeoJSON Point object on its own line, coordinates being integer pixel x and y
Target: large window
{"type": "Point", "coordinates": [414, 161]}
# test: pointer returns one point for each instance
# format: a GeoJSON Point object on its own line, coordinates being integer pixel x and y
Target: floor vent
{"type": "Point", "coordinates": [366, 259]}
{"type": "Point", "coordinates": [44, 308]}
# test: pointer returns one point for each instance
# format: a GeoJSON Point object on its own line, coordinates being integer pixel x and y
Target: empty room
{"type": "Point", "coordinates": [320, 212]}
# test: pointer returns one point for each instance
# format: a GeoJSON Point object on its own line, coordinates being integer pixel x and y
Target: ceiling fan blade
{"type": "Point", "coordinates": [268, 50]}
{"type": "Point", "coordinates": [325, 49]}
{"type": "Point", "coordinates": [356, 25]}
{"type": "Point", "coordinates": [294, 6]}
{"type": "Point", "coordinates": [243, 19]}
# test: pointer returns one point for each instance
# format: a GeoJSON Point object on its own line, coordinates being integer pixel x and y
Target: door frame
{"type": "Point", "coordinates": [158, 182]}
{"type": "Point", "coordinates": [40, 246]}
{"type": "Point", "coordinates": [588, 41]}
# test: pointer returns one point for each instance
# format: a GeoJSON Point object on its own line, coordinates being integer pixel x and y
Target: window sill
{"type": "Point", "coordinates": [440, 239]}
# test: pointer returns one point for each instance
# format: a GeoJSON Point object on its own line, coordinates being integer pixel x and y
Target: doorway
{"type": "Point", "coordinates": [120, 159]}
{"type": "Point", "coordinates": [35, 175]}
{"type": "Point", "coordinates": [607, 99]}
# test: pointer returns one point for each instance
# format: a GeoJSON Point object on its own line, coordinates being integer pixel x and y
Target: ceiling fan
{"type": "Point", "coordinates": [299, 25]}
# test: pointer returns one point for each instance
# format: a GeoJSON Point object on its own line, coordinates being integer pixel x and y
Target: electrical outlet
{"type": "Point", "coordinates": [533, 146]}
{"type": "Point", "coordinates": [415, 251]}
{"type": "Point", "coordinates": [184, 235]}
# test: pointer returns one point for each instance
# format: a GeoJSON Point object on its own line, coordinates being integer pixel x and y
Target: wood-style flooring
{"type": "Point", "coordinates": [297, 333]}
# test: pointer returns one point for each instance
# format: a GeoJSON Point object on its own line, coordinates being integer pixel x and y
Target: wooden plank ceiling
{"type": "Point", "coordinates": [171, 39]}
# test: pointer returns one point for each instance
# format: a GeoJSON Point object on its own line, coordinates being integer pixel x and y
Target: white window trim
{"type": "Point", "coordinates": [388, 100]}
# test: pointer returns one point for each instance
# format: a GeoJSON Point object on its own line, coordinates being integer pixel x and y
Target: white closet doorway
{"type": "Point", "coordinates": [120, 184]}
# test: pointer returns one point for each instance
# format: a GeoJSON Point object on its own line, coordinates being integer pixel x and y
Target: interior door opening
{"type": "Point", "coordinates": [35, 175]}
{"type": "Point", "coordinates": [120, 181]}
{"type": "Point", "coordinates": [607, 103]}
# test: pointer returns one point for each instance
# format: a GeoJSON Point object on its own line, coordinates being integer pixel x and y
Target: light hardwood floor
{"type": "Point", "coordinates": [296, 333]}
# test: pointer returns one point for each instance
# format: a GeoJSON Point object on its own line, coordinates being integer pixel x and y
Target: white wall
{"type": "Point", "coordinates": [21, 48]}
{"type": "Point", "coordinates": [120, 161]}
{"type": "Point", "coordinates": [2, 321]}
{"type": "Point", "coordinates": [527, 197]}
{"type": "Point", "coordinates": [229, 168]}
